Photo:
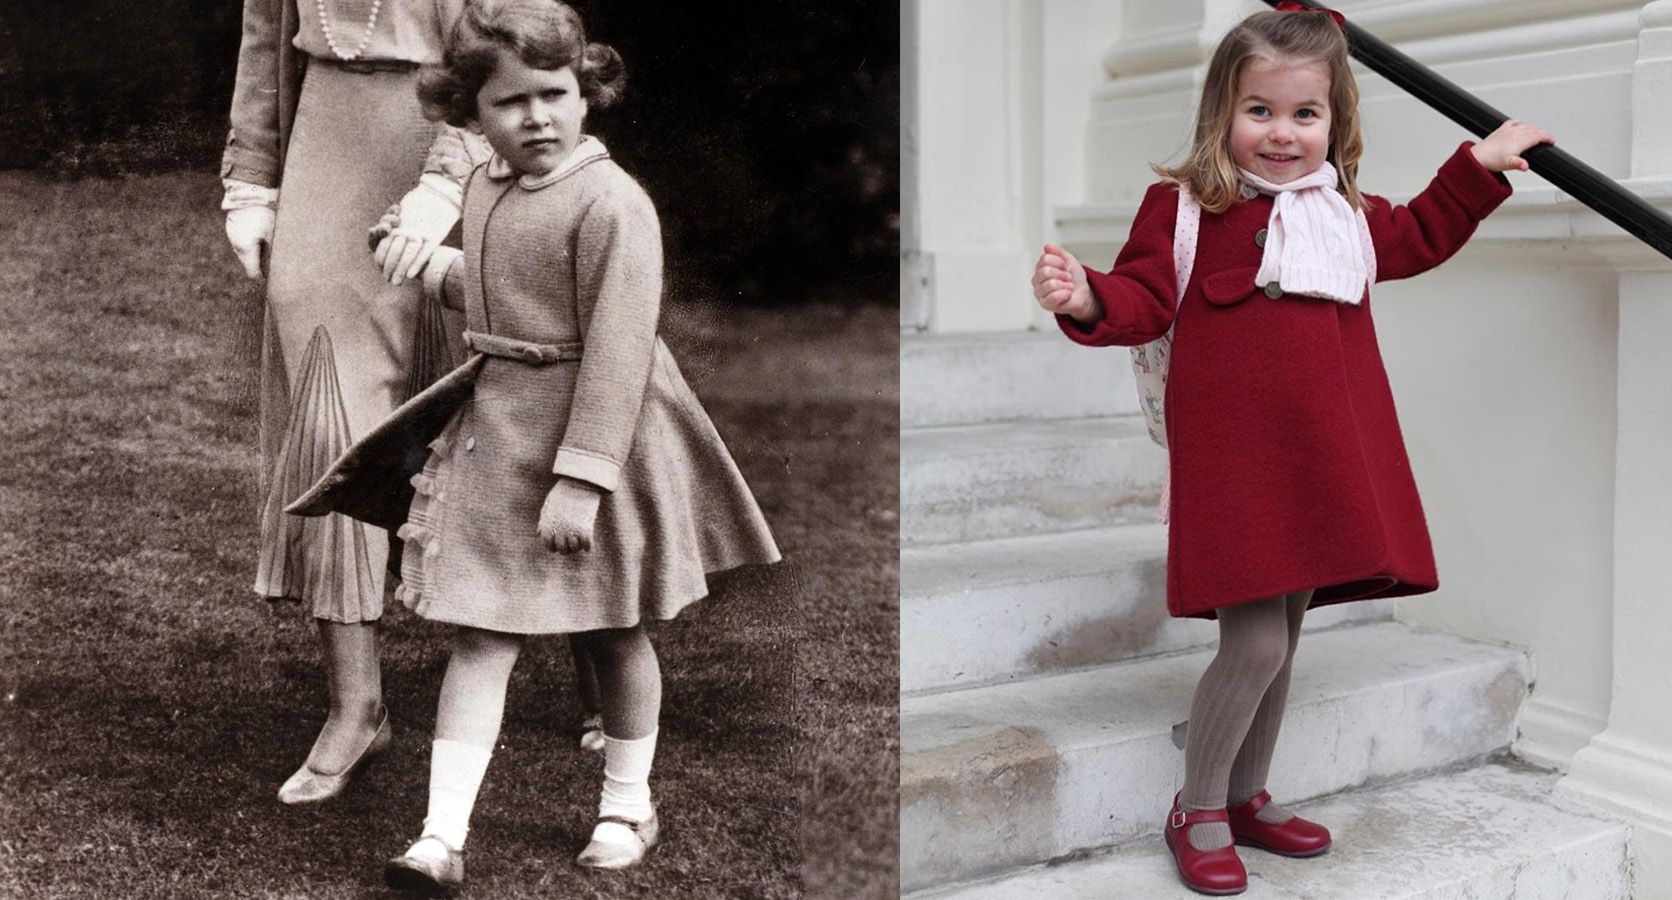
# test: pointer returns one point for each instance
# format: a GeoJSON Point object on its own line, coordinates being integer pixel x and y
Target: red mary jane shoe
{"type": "Point", "coordinates": [1296, 837]}
{"type": "Point", "coordinates": [1217, 872]}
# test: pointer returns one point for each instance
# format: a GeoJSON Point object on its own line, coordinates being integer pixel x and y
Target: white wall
{"type": "Point", "coordinates": [993, 124]}
{"type": "Point", "coordinates": [1505, 377]}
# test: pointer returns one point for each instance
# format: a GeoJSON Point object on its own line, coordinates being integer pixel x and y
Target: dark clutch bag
{"type": "Point", "coordinates": [372, 480]}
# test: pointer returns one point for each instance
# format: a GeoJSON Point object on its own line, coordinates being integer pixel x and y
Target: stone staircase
{"type": "Point", "coordinates": [1044, 688]}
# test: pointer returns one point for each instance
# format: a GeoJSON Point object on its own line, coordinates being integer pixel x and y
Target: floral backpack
{"type": "Point", "coordinates": [1149, 361]}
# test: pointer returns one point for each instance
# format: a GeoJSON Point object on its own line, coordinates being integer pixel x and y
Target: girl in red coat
{"type": "Point", "coordinates": [1290, 484]}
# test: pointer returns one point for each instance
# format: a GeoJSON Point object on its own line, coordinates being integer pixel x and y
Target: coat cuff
{"type": "Point", "coordinates": [1074, 328]}
{"type": "Point", "coordinates": [241, 194]}
{"type": "Point", "coordinates": [1478, 190]}
{"type": "Point", "coordinates": [240, 162]}
{"type": "Point", "coordinates": [592, 468]}
{"type": "Point", "coordinates": [1104, 332]}
{"type": "Point", "coordinates": [435, 273]}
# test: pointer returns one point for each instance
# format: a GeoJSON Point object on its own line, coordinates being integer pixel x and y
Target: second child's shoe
{"type": "Point", "coordinates": [1218, 872]}
{"type": "Point", "coordinates": [1296, 837]}
{"type": "Point", "coordinates": [591, 732]}
{"type": "Point", "coordinates": [429, 867]}
{"type": "Point", "coordinates": [619, 843]}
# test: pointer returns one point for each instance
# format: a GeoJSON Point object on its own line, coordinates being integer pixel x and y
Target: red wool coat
{"type": "Point", "coordinates": [1288, 468]}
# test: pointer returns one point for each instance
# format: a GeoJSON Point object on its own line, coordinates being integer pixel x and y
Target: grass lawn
{"type": "Point", "coordinates": [150, 704]}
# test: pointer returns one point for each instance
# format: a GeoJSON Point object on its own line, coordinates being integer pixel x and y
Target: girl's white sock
{"type": "Point", "coordinates": [456, 771]}
{"type": "Point", "coordinates": [627, 777]}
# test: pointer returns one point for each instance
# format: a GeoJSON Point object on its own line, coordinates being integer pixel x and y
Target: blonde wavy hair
{"type": "Point", "coordinates": [1308, 37]}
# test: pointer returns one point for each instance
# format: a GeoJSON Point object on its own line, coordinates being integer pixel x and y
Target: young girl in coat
{"type": "Point", "coordinates": [1290, 485]}
{"type": "Point", "coordinates": [583, 489]}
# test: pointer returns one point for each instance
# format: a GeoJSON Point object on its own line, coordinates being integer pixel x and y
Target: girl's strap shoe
{"type": "Point", "coordinates": [1218, 872]}
{"type": "Point", "coordinates": [619, 843]}
{"type": "Point", "coordinates": [1296, 837]}
{"type": "Point", "coordinates": [429, 867]}
{"type": "Point", "coordinates": [309, 786]}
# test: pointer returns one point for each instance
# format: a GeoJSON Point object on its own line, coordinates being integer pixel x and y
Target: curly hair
{"type": "Point", "coordinates": [545, 34]}
{"type": "Point", "coordinates": [1209, 171]}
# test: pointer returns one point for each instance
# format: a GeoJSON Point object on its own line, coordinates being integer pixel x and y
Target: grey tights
{"type": "Point", "coordinates": [1238, 709]}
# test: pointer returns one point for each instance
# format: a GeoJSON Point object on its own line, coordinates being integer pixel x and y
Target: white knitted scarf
{"type": "Point", "coordinates": [1316, 245]}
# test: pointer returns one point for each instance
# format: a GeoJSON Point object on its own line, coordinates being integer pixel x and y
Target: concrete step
{"type": "Point", "coordinates": [965, 379]}
{"type": "Point", "coordinates": [1491, 831]}
{"type": "Point", "coordinates": [1012, 608]}
{"type": "Point", "coordinates": [974, 482]}
{"type": "Point", "coordinates": [1010, 775]}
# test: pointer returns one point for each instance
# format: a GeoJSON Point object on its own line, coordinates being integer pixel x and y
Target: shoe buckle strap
{"type": "Point", "coordinates": [1177, 820]}
{"type": "Point", "coordinates": [622, 820]}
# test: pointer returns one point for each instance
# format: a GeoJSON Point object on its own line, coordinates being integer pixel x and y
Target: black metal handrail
{"type": "Point", "coordinates": [1555, 165]}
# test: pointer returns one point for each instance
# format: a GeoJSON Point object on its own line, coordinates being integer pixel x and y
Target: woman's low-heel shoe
{"type": "Point", "coordinates": [428, 867]}
{"type": "Point", "coordinates": [620, 847]}
{"type": "Point", "coordinates": [309, 786]}
{"type": "Point", "coordinates": [1217, 872]}
{"type": "Point", "coordinates": [1295, 837]}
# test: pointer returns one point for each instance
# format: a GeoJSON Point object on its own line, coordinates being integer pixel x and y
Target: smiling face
{"type": "Point", "coordinates": [532, 117]}
{"type": "Point", "coordinates": [1280, 127]}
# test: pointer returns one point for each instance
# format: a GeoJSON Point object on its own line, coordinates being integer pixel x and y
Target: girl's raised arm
{"type": "Point", "coordinates": [1418, 236]}
{"type": "Point", "coordinates": [618, 270]}
{"type": "Point", "coordinates": [1138, 294]}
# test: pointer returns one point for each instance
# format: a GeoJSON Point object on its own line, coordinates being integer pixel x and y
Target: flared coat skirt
{"type": "Point", "coordinates": [680, 511]}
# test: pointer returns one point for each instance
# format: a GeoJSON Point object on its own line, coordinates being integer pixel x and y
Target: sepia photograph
{"type": "Point", "coordinates": [453, 448]}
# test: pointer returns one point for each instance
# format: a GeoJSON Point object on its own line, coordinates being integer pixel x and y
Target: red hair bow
{"type": "Point", "coordinates": [1294, 6]}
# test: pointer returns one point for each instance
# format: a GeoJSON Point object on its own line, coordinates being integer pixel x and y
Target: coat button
{"type": "Point", "coordinates": [1274, 290]}
{"type": "Point", "coordinates": [470, 442]}
{"type": "Point", "coordinates": [1260, 238]}
{"type": "Point", "coordinates": [1248, 192]}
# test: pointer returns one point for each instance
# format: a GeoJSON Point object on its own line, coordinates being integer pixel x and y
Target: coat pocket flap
{"type": "Point", "coordinates": [1230, 286]}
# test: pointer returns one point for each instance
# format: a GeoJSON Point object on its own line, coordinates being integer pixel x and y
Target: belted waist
{"type": "Point", "coordinates": [365, 66]}
{"type": "Point", "coordinates": [523, 351]}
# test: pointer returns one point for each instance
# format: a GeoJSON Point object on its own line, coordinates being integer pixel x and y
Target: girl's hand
{"type": "Point", "coordinates": [567, 516]}
{"type": "Point", "coordinates": [400, 252]}
{"type": "Point", "coordinates": [1059, 286]}
{"type": "Point", "coordinates": [423, 218]}
{"type": "Point", "coordinates": [385, 226]}
{"type": "Point", "coordinates": [1502, 149]}
{"type": "Point", "coordinates": [249, 229]}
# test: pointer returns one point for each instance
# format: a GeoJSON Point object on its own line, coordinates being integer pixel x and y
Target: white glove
{"type": "Point", "coordinates": [427, 213]}
{"type": "Point", "coordinates": [248, 228]}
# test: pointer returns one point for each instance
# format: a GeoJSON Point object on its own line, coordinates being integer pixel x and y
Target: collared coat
{"type": "Point", "coordinates": [561, 283]}
{"type": "Point", "coordinates": [1288, 467]}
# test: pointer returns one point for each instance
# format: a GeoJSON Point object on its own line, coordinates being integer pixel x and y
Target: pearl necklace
{"type": "Point", "coordinates": [331, 40]}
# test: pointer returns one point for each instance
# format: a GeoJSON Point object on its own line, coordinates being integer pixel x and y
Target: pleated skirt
{"type": "Point", "coordinates": [343, 347]}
